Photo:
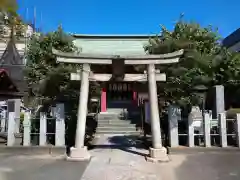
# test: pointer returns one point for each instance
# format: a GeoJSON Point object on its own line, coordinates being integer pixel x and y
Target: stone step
{"type": "Point", "coordinates": [112, 119]}
{"type": "Point", "coordinates": [113, 128]}
{"type": "Point", "coordinates": [116, 125]}
{"type": "Point", "coordinates": [114, 122]}
{"type": "Point", "coordinates": [116, 110]}
{"type": "Point", "coordinates": [119, 132]}
{"type": "Point", "coordinates": [109, 116]}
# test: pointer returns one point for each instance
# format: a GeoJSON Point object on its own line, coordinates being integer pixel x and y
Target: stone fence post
{"type": "Point", "coordinates": [219, 100]}
{"type": "Point", "coordinates": [237, 128]}
{"type": "Point", "coordinates": [223, 129]}
{"type": "Point", "coordinates": [60, 125]}
{"type": "Point", "coordinates": [43, 129]}
{"type": "Point", "coordinates": [27, 129]}
{"type": "Point", "coordinates": [174, 113]}
{"type": "Point", "coordinates": [11, 129]}
{"type": "Point", "coordinates": [207, 127]}
{"type": "Point", "coordinates": [3, 121]}
{"type": "Point", "coordinates": [190, 130]}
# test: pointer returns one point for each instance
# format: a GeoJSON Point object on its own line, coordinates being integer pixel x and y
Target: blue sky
{"type": "Point", "coordinates": [130, 16]}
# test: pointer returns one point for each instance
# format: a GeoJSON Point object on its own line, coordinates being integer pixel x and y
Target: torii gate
{"type": "Point", "coordinates": [79, 152]}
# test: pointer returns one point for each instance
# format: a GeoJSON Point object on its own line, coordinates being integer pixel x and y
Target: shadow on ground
{"type": "Point", "coordinates": [127, 143]}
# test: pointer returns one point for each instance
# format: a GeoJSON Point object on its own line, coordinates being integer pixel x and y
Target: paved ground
{"type": "Point", "coordinates": [39, 167]}
{"type": "Point", "coordinates": [120, 158]}
{"type": "Point", "coordinates": [114, 162]}
{"type": "Point", "coordinates": [210, 165]}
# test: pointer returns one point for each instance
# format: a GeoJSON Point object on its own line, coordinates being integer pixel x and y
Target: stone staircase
{"type": "Point", "coordinates": [115, 121]}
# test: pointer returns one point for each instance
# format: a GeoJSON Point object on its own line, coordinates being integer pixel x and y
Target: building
{"type": "Point", "coordinates": [114, 94]}
{"type": "Point", "coordinates": [232, 41]}
{"type": "Point", "coordinates": [12, 84]}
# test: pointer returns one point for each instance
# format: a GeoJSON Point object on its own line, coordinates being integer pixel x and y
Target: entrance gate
{"type": "Point", "coordinates": [118, 63]}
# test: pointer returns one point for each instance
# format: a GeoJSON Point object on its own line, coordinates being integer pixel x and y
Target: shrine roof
{"type": "Point", "coordinates": [112, 44]}
{"type": "Point", "coordinates": [12, 63]}
{"type": "Point", "coordinates": [115, 36]}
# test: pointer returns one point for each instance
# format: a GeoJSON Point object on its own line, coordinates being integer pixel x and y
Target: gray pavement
{"type": "Point", "coordinates": [111, 162]}
{"type": "Point", "coordinates": [39, 167]}
{"type": "Point", "coordinates": [120, 158]}
{"type": "Point", "coordinates": [210, 165]}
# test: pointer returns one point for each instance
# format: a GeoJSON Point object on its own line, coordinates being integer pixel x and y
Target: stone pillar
{"type": "Point", "coordinates": [60, 125]}
{"type": "Point", "coordinates": [207, 127]}
{"type": "Point", "coordinates": [237, 129]}
{"type": "Point", "coordinates": [15, 106]}
{"type": "Point", "coordinates": [158, 152]}
{"type": "Point", "coordinates": [104, 100]}
{"type": "Point", "coordinates": [3, 121]}
{"type": "Point", "coordinates": [219, 100]}
{"type": "Point", "coordinates": [11, 129]}
{"type": "Point", "coordinates": [223, 129]}
{"type": "Point", "coordinates": [79, 152]}
{"type": "Point", "coordinates": [43, 129]}
{"type": "Point", "coordinates": [191, 130]}
{"type": "Point", "coordinates": [27, 130]}
{"type": "Point", "coordinates": [174, 114]}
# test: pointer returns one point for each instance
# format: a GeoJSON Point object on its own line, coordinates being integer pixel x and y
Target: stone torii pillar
{"type": "Point", "coordinates": [157, 152]}
{"type": "Point", "coordinates": [80, 152]}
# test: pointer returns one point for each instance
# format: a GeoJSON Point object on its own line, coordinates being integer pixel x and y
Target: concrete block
{"type": "Point", "coordinates": [158, 155]}
{"type": "Point", "coordinates": [79, 154]}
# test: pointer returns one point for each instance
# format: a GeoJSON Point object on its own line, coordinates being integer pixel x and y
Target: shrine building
{"type": "Point", "coordinates": [116, 94]}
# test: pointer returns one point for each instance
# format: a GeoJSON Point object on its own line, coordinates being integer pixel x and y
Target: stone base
{"type": "Point", "coordinates": [158, 155]}
{"type": "Point", "coordinates": [79, 154]}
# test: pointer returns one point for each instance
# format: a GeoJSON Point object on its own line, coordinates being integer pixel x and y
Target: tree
{"type": "Point", "coordinates": [9, 18]}
{"type": "Point", "coordinates": [205, 62]}
{"type": "Point", "coordinates": [47, 79]}
{"type": "Point", "coordinates": [9, 6]}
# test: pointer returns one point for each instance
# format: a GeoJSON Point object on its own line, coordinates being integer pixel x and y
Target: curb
{"type": "Point", "coordinates": [33, 150]}
{"type": "Point", "coordinates": [196, 150]}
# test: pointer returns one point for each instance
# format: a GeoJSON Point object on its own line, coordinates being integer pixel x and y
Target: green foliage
{"type": "Point", "coordinates": [205, 62]}
{"type": "Point", "coordinates": [47, 79]}
{"type": "Point", "coordinates": [9, 6]}
{"type": "Point", "coordinates": [9, 18]}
